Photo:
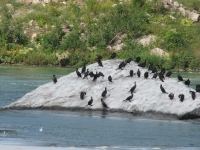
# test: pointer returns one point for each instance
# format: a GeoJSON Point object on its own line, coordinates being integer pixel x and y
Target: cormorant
{"type": "Point", "coordinates": [138, 59]}
{"type": "Point", "coordinates": [130, 73]}
{"type": "Point", "coordinates": [181, 96]}
{"type": "Point", "coordinates": [110, 79]}
{"type": "Point", "coordinates": [122, 65]}
{"type": "Point", "coordinates": [100, 63]}
{"type": "Point", "coordinates": [129, 98]}
{"type": "Point", "coordinates": [129, 60]}
{"type": "Point", "coordinates": [168, 74]}
{"type": "Point", "coordinates": [187, 82]}
{"type": "Point", "coordinates": [99, 57]}
{"type": "Point", "coordinates": [155, 75]}
{"type": "Point", "coordinates": [86, 74]}
{"type": "Point", "coordinates": [54, 79]}
{"type": "Point", "coordinates": [83, 69]}
{"type": "Point", "coordinates": [103, 94]}
{"type": "Point", "coordinates": [95, 77]}
{"type": "Point", "coordinates": [104, 104]}
{"type": "Point", "coordinates": [82, 95]}
{"type": "Point", "coordinates": [154, 70]}
{"type": "Point", "coordinates": [133, 88]}
{"type": "Point", "coordinates": [163, 70]}
{"type": "Point", "coordinates": [90, 102]}
{"type": "Point", "coordinates": [146, 75]}
{"type": "Point", "coordinates": [162, 89]}
{"type": "Point", "coordinates": [193, 94]}
{"type": "Point", "coordinates": [138, 73]}
{"type": "Point", "coordinates": [91, 74]}
{"type": "Point", "coordinates": [78, 73]}
{"type": "Point", "coordinates": [113, 55]}
{"type": "Point", "coordinates": [180, 78]}
{"type": "Point", "coordinates": [150, 66]}
{"type": "Point", "coordinates": [171, 96]}
{"type": "Point", "coordinates": [100, 74]}
{"type": "Point", "coordinates": [161, 76]}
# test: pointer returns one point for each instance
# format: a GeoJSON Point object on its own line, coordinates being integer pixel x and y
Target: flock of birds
{"type": "Point", "coordinates": [160, 73]}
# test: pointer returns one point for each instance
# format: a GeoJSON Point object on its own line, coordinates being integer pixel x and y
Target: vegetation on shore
{"type": "Point", "coordinates": [83, 29]}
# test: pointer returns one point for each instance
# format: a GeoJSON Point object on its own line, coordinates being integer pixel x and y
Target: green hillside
{"type": "Point", "coordinates": [72, 32]}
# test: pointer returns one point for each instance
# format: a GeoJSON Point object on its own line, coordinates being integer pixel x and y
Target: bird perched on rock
{"type": "Point", "coordinates": [133, 88]}
{"type": "Point", "coordinates": [130, 73]}
{"type": "Point", "coordinates": [122, 65]}
{"type": "Point", "coordinates": [163, 71]}
{"type": "Point", "coordinates": [187, 82]}
{"type": "Point", "coordinates": [82, 95]}
{"type": "Point", "coordinates": [113, 55]}
{"type": "Point", "coordinates": [129, 98]}
{"type": "Point", "coordinates": [150, 67]}
{"type": "Point", "coordinates": [86, 74]}
{"type": "Point", "coordinates": [100, 74]}
{"type": "Point", "coordinates": [129, 60]}
{"type": "Point", "coordinates": [193, 94]}
{"type": "Point", "coordinates": [54, 79]}
{"type": "Point", "coordinates": [161, 76]}
{"type": "Point", "coordinates": [154, 70]}
{"type": "Point", "coordinates": [180, 78]}
{"type": "Point", "coordinates": [138, 73]}
{"type": "Point", "coordinates": [90, 102]}
{"type": "Point", "coordinates": [110, 79]}
{"type": "Point", "coordinates": [162, 89]}
{"type": "Point", "coordinates": [168, 74]}
{"type": "Point", "coordinates": [103, 94]}
{"type": "Point", "coordinates": [91, 74]}
{"type": "Point", "coordinates": [78, 73]}
{"type": "Point", "coordinates": [100, 63]}
{"type": "Point", "coordinates": [171, 96]}
{"type": "Point", "coordinates": [83, 69]}
{"type": "Point", "coordinates": [95, 76]}
{"type": "Point", "coordinates": [181, 96]}
{"type": "Point", "coordinates": [146, 74]}
{"type": "Point", "coordinates": [155, 75]}
{"type": "Point", "coordinates": [137, 60]}
{"type": "Point", "coordinates": [104, 104]}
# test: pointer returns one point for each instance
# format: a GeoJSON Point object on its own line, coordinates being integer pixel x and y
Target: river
{"type": "Point", "coordinates": [85, 129]}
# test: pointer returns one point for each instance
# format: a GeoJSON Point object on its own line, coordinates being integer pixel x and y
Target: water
{"type": "Point", "coordinates": [85, 129]}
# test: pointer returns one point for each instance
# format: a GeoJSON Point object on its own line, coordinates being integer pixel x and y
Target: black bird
{"type": "Point", "coordinates": [150, 66]}
{"type": "Point", "coordinates": [168, 74]}
{"type": "Point", "coordinates": [138, 73]}
{"type": "Point", "coordinates": [100, 74]}
{"type": "Point", "coordinates": [163, 70]}
{"type": "Point", "coordinates": [129, 98]}
{"type": "Point", "coordinates": [78, 73]}
{"type": "Point", "coordinates": [104, 104]}
{"type": "Point", "coordinates": [91, 74]}
{"type": "Point", "coordinates": [137, 59]}
{"type": "Point", "coordinates": [181, 96]}
{"type": "Point", "coordinates": [100, 63]}
{"type": "Point", "coordinates": [155, 75]}
{"type": "Point", "coordinates": [86, 74]}
{"type": "Point", "coordinates": [95, 76]}
{"type": "Point", "coordinates": [129, 60]}
{"type": "Point", "coordinates": [180, 78]}
{"type": "Point", "coordinates": [161, 76]}
{"type": "Point", "coordinates": [187, 82]}
{"type": "Point", "coordinates": [82, 95]}
{"type": "Point", "coordinates": [113, 55]}
{"type": "Point", "coordinates": [143, 64]}
{"type": "Point", "coordinates": [154, 70]}
{"type": "Point", "coordinates": [130, 73]}
{"type": "Point", "coordinates": [99, 57]}
{"type": "Point", "coordinates": [162, 89]}
{"type": "Point", "coordinates": [133, 88]}
{"type": "Point", "coordinates": [90, 102]}
{"type": "Point", "coordinates": [83, 69]}
{"type": "Point", "coordinates": [103, 94]}
{"type": "Point", "coordinates": [110, 79]}
{"type": "Point", "coordinates": [193, 94]}
{"type": "Point", "coordinates": [54, 79]}
{"type": "Point", "coordinates": [171, 96]}
{"type": "Point", "coordinates": [146, 75]}
{"type": "Point", "coordinates": [122, 65]}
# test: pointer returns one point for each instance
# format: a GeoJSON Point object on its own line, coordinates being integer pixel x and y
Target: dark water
{"type": "Point", "coordinates": [85, 129]}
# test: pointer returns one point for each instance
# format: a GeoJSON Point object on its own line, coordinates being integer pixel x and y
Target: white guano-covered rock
{"type": "Point", "coordinates": [146, 98]}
